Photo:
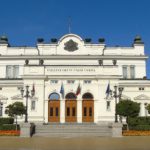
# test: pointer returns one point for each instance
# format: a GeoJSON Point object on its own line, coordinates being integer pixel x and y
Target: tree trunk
{"type": "Point", "coordinates": [16, 122]}
{"type": "Point", "coordinates": [127, 118]}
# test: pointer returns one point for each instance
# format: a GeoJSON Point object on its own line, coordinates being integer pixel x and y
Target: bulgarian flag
{"type": "Point", "coordinates": [78, 90]}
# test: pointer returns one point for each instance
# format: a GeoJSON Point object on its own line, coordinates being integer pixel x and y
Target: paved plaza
{"type": "Point", "coordinates": [68, 143]}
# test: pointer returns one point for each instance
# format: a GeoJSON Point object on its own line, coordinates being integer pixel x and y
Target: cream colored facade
{"type": "Point", "coordinates": [88, 65]}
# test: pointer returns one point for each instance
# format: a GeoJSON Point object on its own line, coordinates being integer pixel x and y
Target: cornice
{"type": "Point", "coordinates": [76, 57]}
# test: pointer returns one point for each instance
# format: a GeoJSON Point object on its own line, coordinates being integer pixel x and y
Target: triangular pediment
{"type": "Point", "coordinates": [125, 97]}
{"type": "Point", "coordinates": [17, 97]}
{"type": "Point", "coordinates": [142, 97]}
{"type": "Point", "coordinates": [2, 97]}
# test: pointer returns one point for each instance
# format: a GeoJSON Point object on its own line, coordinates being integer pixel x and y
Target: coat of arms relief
{"type": "Point", "coordinates": [71, 46]}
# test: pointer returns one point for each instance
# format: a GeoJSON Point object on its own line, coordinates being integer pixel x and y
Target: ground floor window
{"type": "Point", "coordinates": [108, 107]}
{"type": "Point", "coordinates": [33, 104]}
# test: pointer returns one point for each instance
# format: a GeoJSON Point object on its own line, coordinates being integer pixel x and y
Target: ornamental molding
{"type": "Point", "coordinates": [124, 97]}
{"type": "Point", "coordinates": [17, 97]}
{"type": "Point", "coordinates": [2, 97]}
{"type": "Point", "coordinates": [142, 97]}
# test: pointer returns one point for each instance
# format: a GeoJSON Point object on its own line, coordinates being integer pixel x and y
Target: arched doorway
{"type": "Point", "coordinates": [54, 108]}
{"type": "Point", "coordinates": [71, 108]}
{"type": "Point", "coordinates": [87, 107]}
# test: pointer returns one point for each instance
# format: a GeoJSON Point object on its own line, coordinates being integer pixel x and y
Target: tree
{"type": "Point", "coordinates": [148, 108]}
{"type": "Point", "coordinates": [15, 109]}
{"type": "Point", "coordinates": [128, 108]}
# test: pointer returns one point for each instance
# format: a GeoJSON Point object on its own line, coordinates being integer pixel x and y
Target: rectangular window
{"type": "Point", "coordinates": [132, 72]}
{"type": "Point", "coordinates": [73, 111]}
{"type": "Point", "coordinates": [51, 111]}
{"type": "Point", "coordinates": [54, 81]}
{"type": "Point", "coordinates": [124, 69]}
{"type": "Point", "coordinates": [12, 71]}
{"type": "Point", "coordinates": [90, 111]}
{"type": "Point", "coordinates": [108, 105]}
{"type": "Point", "coordinates": [70, 81]}
{"type": "Point", "coordinates": [87, 81]}
{"type": "Point", "coordinates": [68, 111]}
{"type": "Point", "coordinates": [57, 111]}
{"type": "Point", "coordinates": [85, 111]}
{"type": "Point", "coordinates": [32, 105]}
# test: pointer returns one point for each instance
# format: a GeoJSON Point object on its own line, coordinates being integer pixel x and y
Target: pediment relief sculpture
{"type": "Point", "coordinates": [71, 46]}
{"type": "Point", "coordinates": [142, 97]}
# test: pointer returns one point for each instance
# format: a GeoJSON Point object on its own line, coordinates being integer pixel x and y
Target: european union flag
{"type": "Point", "coordinates": [108, 90]}
{"type": "Point", "coordinates": [62, 90]}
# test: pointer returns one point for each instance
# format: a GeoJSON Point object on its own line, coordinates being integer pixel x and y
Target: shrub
{"type": "Point", "coordinates": [6, 121]}
{"type": "Point", "coordinates": [9, 127]}
{"type": "Point", "coordinates": [139, 121]}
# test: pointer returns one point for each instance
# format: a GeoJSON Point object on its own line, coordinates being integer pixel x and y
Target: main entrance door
{"type": "Point", "coordinates": [54, 108]}
{"type": "Point", "coordinates": [87, 108]}
{"type": "Point", "coordinates": [71, 108]}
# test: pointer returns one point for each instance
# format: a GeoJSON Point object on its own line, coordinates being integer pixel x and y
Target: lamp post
{"type": "Point", "coordinates": [117, 95]}
{"type": "Point", "coordinates": [1, 108]}
{"type": "Point", "coordinates": [27, 95]}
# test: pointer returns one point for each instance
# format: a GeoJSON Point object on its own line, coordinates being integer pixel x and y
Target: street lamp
{"type": "Point", "coordinates": [27, 95]}
{"type": "Point", "coordinates": [116, 95]}
{"type": "Point", "coordinates": [1, 108]}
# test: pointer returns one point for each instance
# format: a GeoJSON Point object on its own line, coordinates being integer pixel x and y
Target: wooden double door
{"type": "Point", "coordinates": [70, 111]}
{"type": "Point", "coordinates": [54, 111]}
{"type": "Point", "coordinates": [87, 111]}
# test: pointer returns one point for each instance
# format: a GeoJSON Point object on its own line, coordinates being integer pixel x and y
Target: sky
{"type": "Point", "coordinates": [118, 21]}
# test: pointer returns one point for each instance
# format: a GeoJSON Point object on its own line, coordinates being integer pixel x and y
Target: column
{"type": "Point", "coordinates": [79, 111]}
{"type": "Point", "coordinates": [62, 111]}
{"type": "Point", "coordinates": [46, 111]}
{"type": "Point", "coordinates": [142, 109]}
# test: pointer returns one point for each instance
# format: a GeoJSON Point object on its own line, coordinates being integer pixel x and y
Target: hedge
{"type": "Point", "coordinates": [6, 121]}
{"type": "Point", "coordinates": [139, 121]}
{"type": "Point", "coordinates": [9, 127]}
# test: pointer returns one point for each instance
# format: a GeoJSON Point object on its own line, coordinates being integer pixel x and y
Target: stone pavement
{"type": "Point", "coordinates": [74, 143]}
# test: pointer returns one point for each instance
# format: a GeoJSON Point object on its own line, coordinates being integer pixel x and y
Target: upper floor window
{"type": "Point", "coordinates": [87, 81]}
{"type": "Point", "coordinates": [12, 71]}
{"type": "Point", "coordinates": [128, 72]}
{"type": "Point", "coordinates": [54, 81]}
{"type": "Point", "coordinates": [33, 104]}
{"type": "Point", "coordinates": [70, 81]}
{"type": "Point", "coordinates": [141, 88]}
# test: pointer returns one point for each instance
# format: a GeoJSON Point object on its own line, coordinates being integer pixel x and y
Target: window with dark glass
{"type": "Point", "coordinates": [57, 111]}
{"type": "Point", "coordinates": [12, 71]}
{"type": "Point", "coordinates": [90, 111]}
{"type": "Point", "coordinates": [51, 111]}
{"type": "Point", "coordinates": [73, 111]}
{"type": "Point", "coordinates": [71, 96]}
{"type": "Point", "coordinates": [132, 72]}
{"type": "Point", "coordinates": [124, 69]}
{"type": "Point", "coordinates": [85, 111]}
{"type": "Point", "coordinates": [68, 111]}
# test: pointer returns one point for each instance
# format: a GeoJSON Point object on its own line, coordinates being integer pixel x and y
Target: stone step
{"type": "Point", "coordinates": [55, 130]}
{"type": "Point", "coordinates": [71, 134]}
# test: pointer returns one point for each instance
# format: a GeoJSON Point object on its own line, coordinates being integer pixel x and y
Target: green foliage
{"type": "Point", "coordinates": [140, 127]}
{"type": "Point", "coordinates": [6, 121]}
{"type": "Point", "coordinates": [148, 108]}
{"type": "Point", "coordinates": [15, 109]}
{"type": "Point", "coordinates": [9, 127]}
{"type": "Point", "coordinates": [128, 108]}
{"type": "Point", "coordinates": [139, 121]}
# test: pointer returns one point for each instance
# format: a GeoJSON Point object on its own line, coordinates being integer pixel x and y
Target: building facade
{"type": "Point", "coordinates": [71, 78]}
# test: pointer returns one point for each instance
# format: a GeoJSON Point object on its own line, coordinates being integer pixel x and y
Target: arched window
{"type": "Point", "coordinates": [54, 96]}
{"type": "Point", "coordinates": [71, 96]}
{"type": "Point", "coordinates": [87, 96]}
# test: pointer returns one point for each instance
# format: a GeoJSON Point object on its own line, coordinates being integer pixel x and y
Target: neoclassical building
{"type": "Point", "coordinates": [71, 77]}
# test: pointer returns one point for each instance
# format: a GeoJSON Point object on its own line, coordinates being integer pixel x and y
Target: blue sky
{"type": "Point", "coordinates": [118, 21]}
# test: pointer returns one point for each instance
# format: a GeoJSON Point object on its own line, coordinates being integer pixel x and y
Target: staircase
{"type": "Point", "coordinates": [72, 130]}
